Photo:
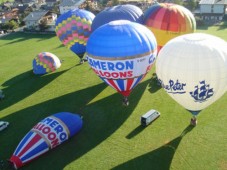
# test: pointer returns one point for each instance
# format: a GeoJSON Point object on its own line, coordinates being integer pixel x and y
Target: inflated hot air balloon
{"type": "Point", "coordinates": [73, 29]}
{"type": "Point", "coordinates": [45, 62]}
{"type": "Point", "coordinates": [168, 21]}
{"type": "Point", "coordinates": [192, 69]}
{"type": "Point", "coordinates": [47, 134]}
{"type": "Point", "coordinates": [121, 53]}
{"type": "Point", "coordinates": [118, 12]}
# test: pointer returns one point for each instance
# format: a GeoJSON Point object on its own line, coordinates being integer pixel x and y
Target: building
{"type": "Point", "coordinates": [8, 16]}
{"type": "Point", "coordinates": [33, 20]}
{"type": "Point", "coordinates": [67, 5]}
{"type": "Point", "coordinates": [213, 9]}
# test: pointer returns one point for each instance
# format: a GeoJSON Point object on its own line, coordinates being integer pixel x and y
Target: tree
{"type": "Point", "coordinates": [115, 2]}
{"type": "Point", "coordinates": [179, 2]}
{"type": "Point", "coordinates": [11, 25]}
{"type": "Point", "coordinates": [191, 4]}
{"type": "Point", "coordinates": [43, 25]}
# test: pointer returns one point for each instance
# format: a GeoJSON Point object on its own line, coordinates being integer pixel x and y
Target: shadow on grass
{"type": "Point", "coordinates": [20, 37]}
{"type": "Point", "coordinates": [204, 27]}
{"type": "Point", "coordinates": [60, 46]}
{"type": "Point", "coordinates": [101, 119]}
{"type": "Point", "coordinates": [23, 85]}
{"type": "Point", "coordinates": [223, 26]}
{"type": "Point", "coordinates": [154, 85]}
{"type": "Point", "coordinates": [135, 132]}
{"type": "Point", "coordinates": [158, 159]}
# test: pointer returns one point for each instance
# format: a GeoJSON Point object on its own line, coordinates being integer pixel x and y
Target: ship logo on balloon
{"type": "Point", "coordinates": [202, 92]}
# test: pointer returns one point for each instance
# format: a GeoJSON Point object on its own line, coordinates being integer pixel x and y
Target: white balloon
{"type": "Point", "coordinates": [192, 69]}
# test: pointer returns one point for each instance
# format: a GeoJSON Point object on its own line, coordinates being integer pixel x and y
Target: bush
{"type": "Point", "coordinates": [199, 21]}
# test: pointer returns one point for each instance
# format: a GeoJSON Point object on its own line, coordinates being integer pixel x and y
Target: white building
{"type": "Point", "coordinates": [67, 5]}
{"type": "Point", "coordinates": [213, 9]}
{"type": "Point", "coordinates": [33, 20]}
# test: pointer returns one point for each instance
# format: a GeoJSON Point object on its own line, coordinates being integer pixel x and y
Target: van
{"type": "Point", "coordinates": [149, 117]}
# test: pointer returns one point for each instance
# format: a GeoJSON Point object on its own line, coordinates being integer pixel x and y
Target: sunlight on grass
{"type": "Point", "coordinates": [112, 137]}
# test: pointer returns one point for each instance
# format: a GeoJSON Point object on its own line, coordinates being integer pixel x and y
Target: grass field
{"type": "Point", "coordinates": [111, 137]}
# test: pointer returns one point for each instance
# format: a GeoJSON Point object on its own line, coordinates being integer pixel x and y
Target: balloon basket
{"type": "Point", "coordinates": [81, 61]}
{"type": "Point", "coordinates": [125, 101]}
{"type": "Point", "coordinates": [193, 121]}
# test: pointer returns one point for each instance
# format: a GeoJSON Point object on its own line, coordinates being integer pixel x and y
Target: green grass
{"type": "Point", "coordinates": [1, 1]}
{"type": "Point", "coordinates": [111, 137]}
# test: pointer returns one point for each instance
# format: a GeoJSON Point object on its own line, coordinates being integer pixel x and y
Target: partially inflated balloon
{"type": "Point", "coordinates": [121, 53]}
{"type": "Point", "coordinates": [192, 69]}
{"type": "Point", "coordinates": [45, 62]}
{"type": "Point", "coordinates": [47, 134]}
{"type": "Point", "coordinates": [168, 21]}
{"type": "Point", "coordinates": [119, 12]}
{"type": "Point", "coordinates": [73, 29]}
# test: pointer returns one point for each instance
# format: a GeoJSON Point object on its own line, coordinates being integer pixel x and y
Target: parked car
{"type": "Point", "coordinates": [3, 125]}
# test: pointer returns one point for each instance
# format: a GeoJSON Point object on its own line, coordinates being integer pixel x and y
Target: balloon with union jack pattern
{"type": "Point", "coordinates": [45, 135]}
{"type": "Point", "coordinates": [73, 29]}
{"type": "Point", "coordinates": [121, 53]}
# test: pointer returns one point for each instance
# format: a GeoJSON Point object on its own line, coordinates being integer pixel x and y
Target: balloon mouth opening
{"type": "Point", "coordinates": [194, 113]}
{"type": "Point", "coordinates": [15, 162]}
{"type": "Point", "coordinates": [125, 93]}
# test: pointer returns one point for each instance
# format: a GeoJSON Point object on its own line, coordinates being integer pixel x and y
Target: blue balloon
{"type": "Point", "coordinates": [121, 53]}
{"type": "Point", "coordinates": [45, 135]}
{"type": "Point", "coordinates": [119, 12]}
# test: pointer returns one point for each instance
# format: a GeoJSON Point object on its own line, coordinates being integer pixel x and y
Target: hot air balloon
{"type": "Point", "coordinates": [73, 29]}
{"type": "Point", "coordinates": [118, 12]}
{"type": "Point", "coordinates": [192, 69]}
{"type": "Point", "coordinates": [45, 135]}
{"type": "Point", "coordinates": [121, 53]}
{"type": "Point", "coordinates": [45, 62]}
{"type": "Point", "coordinates": [168, 21]}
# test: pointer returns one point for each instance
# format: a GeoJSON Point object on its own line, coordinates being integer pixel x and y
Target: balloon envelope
{"type": "Point", "coordinates": [192, 69]}
{"type": "Point", "coordinates": [45, 62]}
{"type": "Point", "coordinates": [168, 21]}
{"type": "Point", "coordinates": [121, 53]}
{"type": "Point", "coordinates": [119, 12]}
{"type": "Point", "coordinates": [73, 29]}
{"type": "Point", "coordinates": [47, 134]}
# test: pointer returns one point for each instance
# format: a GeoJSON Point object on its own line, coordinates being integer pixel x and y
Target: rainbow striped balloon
{"type": "Point", "coordinates": [73, 29]}
{"type": "Point", "coordinates": [168, 21]}
{"type": "Point", "coordinates": [45, 62]}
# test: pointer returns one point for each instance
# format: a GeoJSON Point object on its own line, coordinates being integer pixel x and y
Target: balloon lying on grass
{"type": "Point", "coordinates": [192, 69]}
{"type": "Point", "coordinates": [45, 62]}
{"type": "Point", "coordinates": [121, 53]}
{"type": "Point", "coordinates": [73, 29]}
{"type": "Point", "coordinates": [118, 12]}
{"type": "Point", "coordinates": [47, 134]}
{"type": "Point", "coordinates": [168, 21]}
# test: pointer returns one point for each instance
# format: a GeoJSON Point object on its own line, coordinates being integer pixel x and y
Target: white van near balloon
{"type": "Point", "coordinates": [192, 69]}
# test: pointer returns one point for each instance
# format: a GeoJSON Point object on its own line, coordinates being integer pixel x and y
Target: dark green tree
{"type": "Point", "coordinates": [43, 25]}
{"type": "Point", "coordinates": [11, 25]}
